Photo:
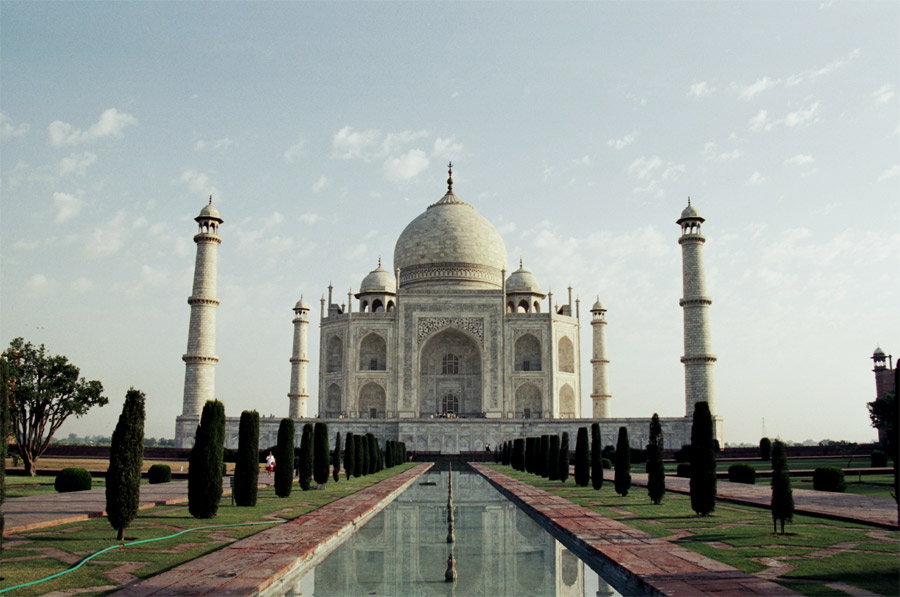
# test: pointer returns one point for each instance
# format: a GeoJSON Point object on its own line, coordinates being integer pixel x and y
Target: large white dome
{"type": "Point", "coordinates": [450, 244]}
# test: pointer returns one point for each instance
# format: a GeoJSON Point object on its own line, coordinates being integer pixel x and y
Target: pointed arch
{"type": "Point", "coordinates": [566, 402]}
{"type": "Point", "coordinates": [528, 353]}
{"type": "Point", "coordinates": [373, 353]}
{"type": "Point", "coordinates": [333, 401]}
{"type": "Point", "coordinates": [528, 402]}
{"type": "Point", "coordinates": [372, 401]}
{"type": "Point", "coordinates": [566, 355]}
{"type": "Point", "coordinates": [335, 355]}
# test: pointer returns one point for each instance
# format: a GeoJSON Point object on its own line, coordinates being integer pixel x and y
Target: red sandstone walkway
{"type": "Point", "coordinates": [251, 565]}
{"type": "Point", "coordinates": [839, 506]}
{"type": "Point", "coordinates": [50, 509]}
{"type": "Point", "coordinates": [639, 557]}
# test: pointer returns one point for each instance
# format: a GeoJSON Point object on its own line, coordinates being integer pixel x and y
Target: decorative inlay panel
{"type": "Point", "coordinates": [473, 325]}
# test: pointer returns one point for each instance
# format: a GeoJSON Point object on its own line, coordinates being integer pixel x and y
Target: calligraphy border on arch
{"type": "Point", "coordinates": [473, 325]}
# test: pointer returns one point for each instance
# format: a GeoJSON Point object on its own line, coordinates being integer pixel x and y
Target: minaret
{"type": "Point", "coordinates": [884, 373]}
{"type": "Point", "coordinates": [200, 359]}
{"type": "Point", "coordinates": [600, 396]}
{"type": "Point", "coordinates": [698, 358]}
{"type": "Point", "coordinates": [299, 395]}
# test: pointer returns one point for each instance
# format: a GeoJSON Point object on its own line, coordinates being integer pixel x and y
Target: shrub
{"type": "Point", "coordinates": [596, 456]}
{"type": "Point", "coordinates": [765, 449]}
{"type": "Point", "coordinates": [553, 459]}
{"type": "Point", "coordinates": [159, 473]}
{"type": "Point", "coordinates": [623, 463]}
{"type": "Point", "coordinates": [608, 452]}
{"type": "Point", "coordinates": [683, 454]}
{"type": "Point", "coordinates": [284, 458]}
{"type": "Point", "coordinates": [582, 469]}
{"type": "Point", "coordinates": [742, 473]}
{"type": "Point", "coordinates": [829, 478]}
{"type": "Point", "coordinates": [638, 456]}
{"type": "Point", "coordinates": [72, 479]}
{"type": "Point", "coordinates": [529, 455]}
{"type": "Point", "coordinates": [879, 459]}
{"type": "Point", "coordinates": [349, 455]}
{"type": "Point", "coordinates": [703, 461]}
{"type": "Point", "coordinates": [205, 467]}
{"type": "Point", "coordinates": [563, 467]}
{"type": "Point", "coordinates": [246, 468]}
{"type": "Point", "coordinates": [229, 455]}
{"type": "Point", "coordinates": [656, 470]}
{"type": "Point", "coordinates": [126, 457]}
{"type": "Point", "coordinates": [606, 463]}
{"type": "Point", "coordinates": [683, 470]}
{"type": "Point", "coordinates": [336, 459]}
{"type": "Point", "coordinates": [305, 469]}
{"type": "Point", "coordinates": [782, 495]}
{"type": "Point", "coordinates": [321, 453]}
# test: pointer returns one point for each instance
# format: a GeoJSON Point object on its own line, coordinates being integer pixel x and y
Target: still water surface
{"type": "Point", "coordinates": [499, 549]}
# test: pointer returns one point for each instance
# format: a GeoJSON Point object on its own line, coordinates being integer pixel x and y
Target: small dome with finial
{"type": "Point", "coordinates": [522, 280]}
{"type": "Point", "coordinates": [690, 213]}
{"type": "Point", "coordinates": [301, 305]}
{"type": "Point", "coordinates": [378, 280]}
{"type": "Point", "coordinates": [878, 352]}
{"type": "Point", "coordinates": [598, 306]}
{"type": "Point", "coordinates": [209, 212]}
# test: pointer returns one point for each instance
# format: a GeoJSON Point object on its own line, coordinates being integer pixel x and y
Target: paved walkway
{"type": "Point", "coordinates": [281, 554]}
{"type": "Point", "coordinates": [635, 556]}
{"type": "Point", "coordinates": [876, 511]}
{"type": "Point", "coordinates": [50, 509]}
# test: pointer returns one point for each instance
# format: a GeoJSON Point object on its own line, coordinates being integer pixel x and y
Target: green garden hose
{"type": "Point", "coordinates": [111, 547]}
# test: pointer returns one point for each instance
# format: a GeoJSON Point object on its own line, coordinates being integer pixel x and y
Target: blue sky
{"type": "Point", "coordinates": [578, 129]}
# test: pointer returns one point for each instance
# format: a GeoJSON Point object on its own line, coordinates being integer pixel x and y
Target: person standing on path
{"type": "Point", "coordinates": [270, 464]}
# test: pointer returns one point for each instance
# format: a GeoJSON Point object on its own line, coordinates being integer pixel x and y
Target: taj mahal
{"type": "Point", "coordinates": [449, 352]}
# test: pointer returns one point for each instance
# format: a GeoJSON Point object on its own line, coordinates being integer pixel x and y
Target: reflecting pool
{"type": "Point", "coordinates": [403, 550]}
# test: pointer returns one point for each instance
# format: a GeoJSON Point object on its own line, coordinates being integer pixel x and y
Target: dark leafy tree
{"type": "Point", "coordinates": [563, 466]}
{"type": "Point", "coordinates": [307, 449]}
{"type": "Point", "coordinates": [656, 470]}
{"type": "Point", "coordinates": [126, 456]}
{"type": "Point", "coordinates": [553, 459]}
{"type": "Point", "coordinates": [782, 494]}
{"type": "Point", "coordinates": [246, 467]}
{"type": "Point", "coordinates": [321, 453]}
{"type": "Point", "coordinates": [703, 462]}
{"type": "Point", "coordinates": [349, 455]}
{"type": "Point", "coordinates": [765, 449]}
{"type": "Point", "coordinates": [44, 391]}
{"type": "Point", "coordinates": [205, 464]}
{"type": "Point", "coordinates": [4, 434]}
{"type": "Point", "coordinates": [885, 417]}
{"type": "Point", "coordinates": [544, 456]}
{"type": "Point", "coordinates": [336, 459]}
{"type": "Point", "coordinates": [518, 456]}
{"type": "Point", "coordinates": [623, 463]}
{"type": "Point", "coordinates": [596, 457]}
{"type": "Point", "coordinates": [284, 458]}
{"type": "Point", "coordinates": [582, 468]}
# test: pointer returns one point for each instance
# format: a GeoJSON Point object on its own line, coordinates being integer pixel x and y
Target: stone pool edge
{"type": "Point", "coordinates": [634, 556]}
{"type": "Point", "coordinates": [261, 562]}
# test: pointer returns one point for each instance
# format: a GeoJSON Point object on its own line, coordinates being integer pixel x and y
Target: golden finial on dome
{"type": "Point", "coordinates": [450, 177]}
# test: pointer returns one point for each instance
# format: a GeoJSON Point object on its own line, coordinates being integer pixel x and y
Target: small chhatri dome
{"type": "Point", "coordinates": [878, 352]}
{"type": "Point", "coordinates": [301, 304]}
{"type": "Point", "coordinates": [209, 212]}
{"type": "Point", "coordinates": [379, 280]}
{"type": "Point", "coordinates": [598, 306]}
{"type": "Point", "coordinates": [690, 213]}
{"type": "Point", "coordinates": [522, 280]}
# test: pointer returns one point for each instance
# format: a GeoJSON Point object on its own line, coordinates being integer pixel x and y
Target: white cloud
{"type": "Point", "coordinates": [111, 124]}
{"type": "Point", "coordinates": [883, 94]}
{"type": "Point", "coordinates": [799, 160]}
{"type": "Point", "coordinates": [320, 184]}
{"type": "Point", "coordinates": [406, 166]}
{"type": "Point", "coordinates": [108, 238]}
{"type": "Point", "coordinates": [198, 183]}
{"type": "Point", "coordinates": [643, 167]}
{"type": "Point", "coordinates": [814, 73]}
{"type": "Point", "coordinates": [39, 284]}
{"type": "Point", "coordinates": [76, 164]}
{"type": "Point", "coordinates": [756, 179]}
{"type": "Point", "coordinates": [760, 122]}
{"type": "Point", "coordinates": [309, 218]}
{"type": "Point", "coordinates": [295, 152]}
{"type": "Point", "coordinates": [802, 117]}
{"type": "Point", "coordinates": [711, 153]}
{"type": "Point", "coordinates": [584, 160]}
{"type": "Point", "coordinates": [701, 89]}
{"type": "Point", "coordinates": [748, 91]}
{"type": "Point", "coordinates": [624, 142]}
{"type": "Point", "coordinates": [892, 172]}
{"type": "Point", "coordinates": [356, 252]}
{"type": "Point", "coordinates": [447, 148]}
{"type": "Point", "coordinates": [67, 206]}
{"type": "Point", "coordinates": [8, 130]}
{"type": "Point", "coordinates": [348, 143]}
{"type": "Point", "coordinates": [82, 285]}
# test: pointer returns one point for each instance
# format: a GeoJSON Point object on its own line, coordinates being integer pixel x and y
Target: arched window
{"type": "Point", "coordinates": [523, 306]}
{"type": "Point", "coordinates": [510, 307]}
{"type": "Point", "coordinates": [566, 355]}
{"type": "Point", "coordinates": [372, 353]}
{"type": "Point", "coordinates": [567, 402]}
{"type": "Point", "coordinates": [333, 402]}
{"type": "Point", "coordinates": [335, 355]}
{"type": "Point", "coordinates": [377, 306]}
{"type": "Point", "coordinates": [450, 365]}
{"type": "Point", "coordinates": [449, 403]}
{"type": "Point", "coordinates": [528, 353]}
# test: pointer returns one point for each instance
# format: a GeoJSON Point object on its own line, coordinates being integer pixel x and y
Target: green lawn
{"type": "Point", "coordinates": [26, 559]}
{"type": "Point", "coordinates": [816, 552]}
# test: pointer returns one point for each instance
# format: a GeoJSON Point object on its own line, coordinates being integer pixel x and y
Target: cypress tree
{"type": "Point", "coordinates": [246, 468]}
{"type": "Point", "coordinates": [336, 459]}
{"type": "Point", "coordinates": [321, 453]}
{"type": "Point", "coordinates": [126, 455]}
{"type": "Point", "coordinates": [596, 457]}
{"type": "Point", "coordinates": [656, 470]}
{"type": "Point", "coordinates": [529, 455]}
{"type": "Point", "coordinates": [563, 468]}
{"type": "Point", "coordinates": [372, 451]}
{"type": "Point", "coordinates": [504, 454]}
{"type": "Point", "coordinates": [307, 457]}
{"type": "Point", "coordinates": [544, 456]}
{"type": "Point", "coordinates": [362, 454]}
{"type": "Point", "coordinates": [205, 463]}
{"type": "Point", "coordinates": [765, 449]}
{"type": "Point", "coordinates": [582, 469]}
{"type": "Point", "coordinates": [553, 459]}
{"type": "Point", "coordinates": [518, 458]}
{"type": "Point", "coordinates": [703, 462]}
{"type": "Point", "coordinates": [284, 458]}
{"type": "Point", "coordinates": [782, 494]}
{"type": "Point", "coordinates": [349, 455]}
{"type": "Point", "coordinates": [388, 453]}
{"type": "Point", "coordinates": [623, 463]}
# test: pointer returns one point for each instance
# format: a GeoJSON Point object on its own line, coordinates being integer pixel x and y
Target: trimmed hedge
{"type": "Point", "coordinates": [683, 470]}
{"type": "Point", "coordinates": [879, 459]}
{"type": "Point", "coordinates": [829, 478]}
{"type": "Point", "coordinates": [72, 479]}
{"type": "Point", "coordinates": [742, 473]}
{"type": "Point", "coordinates": [159, 473]}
